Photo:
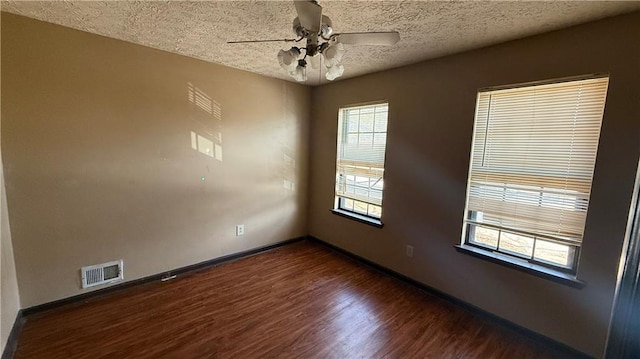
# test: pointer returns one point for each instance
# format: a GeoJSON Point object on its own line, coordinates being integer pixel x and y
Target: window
{"type": "Point", "coordinates": [362, 138]}
{"type": "Point", "coordinates": [532, 160]}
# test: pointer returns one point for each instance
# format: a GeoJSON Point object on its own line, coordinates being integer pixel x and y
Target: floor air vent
{"type": "Point", "coordinates": [102, 274]}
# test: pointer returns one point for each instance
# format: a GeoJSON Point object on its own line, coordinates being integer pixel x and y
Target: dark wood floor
{"type": "Point", "coordinates": [299, 301]}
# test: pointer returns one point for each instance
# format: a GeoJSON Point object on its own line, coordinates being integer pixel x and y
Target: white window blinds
{"type": "Point", "coordinates": [362, 138]}
{"type": "Point", "coordinates": [533, 155]}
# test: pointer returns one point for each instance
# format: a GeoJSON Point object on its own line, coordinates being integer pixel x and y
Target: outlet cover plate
{"type": "Point", "coordinates": [239, 230]}
{"type": "Point", "coordinates": [409, 251]}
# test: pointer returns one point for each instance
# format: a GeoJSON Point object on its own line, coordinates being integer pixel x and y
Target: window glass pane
{"type": "Point", "coordinates": [366, 138]}
{"type": "Point", "coordinates": [485, 236]}
{"type": "Point", "coordinates": [375, 211]}
{"type": "Point", "coordinates": [381, 122]}
{"type": "Point", "coordinates": [553, 252]}
{"type": "Point", "coordinates": [376, 194]}
{"type": "Point", "coordinates": [360, 191]}
{"type": "Point", "coordinates": [362, 181]}
{"type": "Point", "coordinates": [560, 201]}
{"type": "Point", "coordinates": [352, 138]}
{"type": "Point", "coordinates": [352, 125]}
{"type": "Point", "coordinates": [379, 138]}
{"type": "Point", "coordinates": [366, 123]}
{"type": "Point", "coordinates": [515, 243]}
{"type": "Point", "coordinates": [360, 207]}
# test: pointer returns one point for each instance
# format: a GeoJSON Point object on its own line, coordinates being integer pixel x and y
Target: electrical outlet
{"type": "Point", "coordinates": [239, 230]}
{"type": "Point", "coordinates": [409, 251]}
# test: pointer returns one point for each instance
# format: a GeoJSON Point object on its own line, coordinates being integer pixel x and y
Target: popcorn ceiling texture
{"type": "Point", "coordinates": [428, 29]}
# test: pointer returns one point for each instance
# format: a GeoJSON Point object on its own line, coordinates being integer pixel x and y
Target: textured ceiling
{"type": "Point", "coordinates": [428, 29]}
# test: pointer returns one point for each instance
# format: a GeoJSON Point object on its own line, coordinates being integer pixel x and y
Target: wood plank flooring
{"type": "Point", "coordinates": [298, 301]}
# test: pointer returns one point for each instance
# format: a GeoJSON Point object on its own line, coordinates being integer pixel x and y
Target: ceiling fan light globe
{"type": "Point", "coordinates": [333, 54]}
{"type": "Point", "coordinates": [315, 61]}
{"type": "Point", "coordinates": [299, 74]}
{"type": "Point", "coordinates": [326, 21]}
{"type": "Point", "coordinates": [288, 60]}
{"type": "Point", "coordinates": [334, 72]}
{"type": "Point", "coordinates": [297, 28]}
{"type": "Point", "coordinates": [325, 30]}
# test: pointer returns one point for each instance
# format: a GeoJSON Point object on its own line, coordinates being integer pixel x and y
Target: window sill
{"type": "Point", "coordinates": [363, 219]}
{"type": "Point", "coordinates": [533, 269]}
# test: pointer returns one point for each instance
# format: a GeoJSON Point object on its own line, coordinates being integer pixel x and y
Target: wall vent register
{"type": "Point", "coordinates": [100, 274]}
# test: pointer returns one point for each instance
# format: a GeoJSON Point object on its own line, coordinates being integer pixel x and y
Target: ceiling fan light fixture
{"type": "Point", "coordinates": [325, 29]}
{"type": "Point", "coordinates": [334, 72]}
{"type": "Point", "coordinates": [316, 29]}
{"type": "Point", "coordinates": [314, 61]}
{"type": "Point", "coordinates": [299, 74]}
{"type": "Point", "coordinates": [297, 28]}
{"type": "Point", "coordinates": [288, 60]}
{"type": "Point", "coordinates": [333, 53]}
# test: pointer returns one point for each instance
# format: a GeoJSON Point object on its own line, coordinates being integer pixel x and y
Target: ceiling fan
{"type": "Point", "coordinates": [322, 42]}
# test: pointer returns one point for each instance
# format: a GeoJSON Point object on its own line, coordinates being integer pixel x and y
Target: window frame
{"type": "Point", "coordinates": [573, 250]}
{"type": "Point", "coordinates": [339, 207]}
{"type": "Point", "coordinates": [497, 254]}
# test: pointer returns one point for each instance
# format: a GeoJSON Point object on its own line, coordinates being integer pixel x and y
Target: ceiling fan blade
{"type": "Point", "coordinates": [309, 14]}
{"type": "Point", "coordinates": [250, 41]}
{"type": "Point", "coordinates": [369, 38]}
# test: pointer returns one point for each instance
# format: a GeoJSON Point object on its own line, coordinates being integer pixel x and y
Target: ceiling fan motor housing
{"type": "Point", "coordinates": [313, 47]}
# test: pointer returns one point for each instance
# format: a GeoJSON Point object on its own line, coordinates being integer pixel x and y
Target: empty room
{"type": "Point", "coordinates": [320, 179]}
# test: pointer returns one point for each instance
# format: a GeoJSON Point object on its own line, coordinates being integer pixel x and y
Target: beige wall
{"type": "Point", "coordinates": [99, 165]}
{"type": "Point", "coordinates": [9, 296]}
{"type": "Point", "coordinates": [429, 141]}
